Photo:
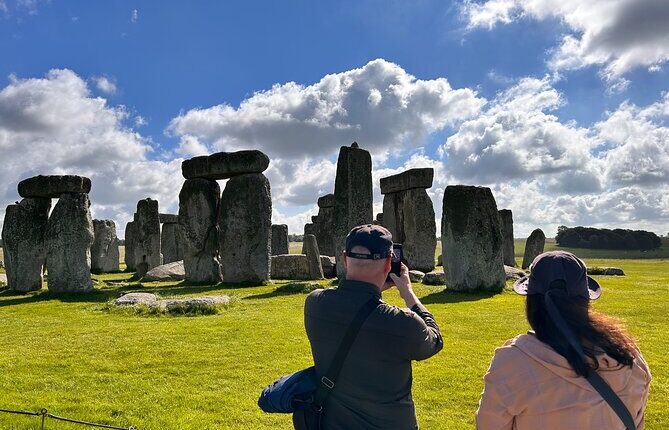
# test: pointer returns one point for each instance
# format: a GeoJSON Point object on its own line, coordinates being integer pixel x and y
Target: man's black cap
{"type": "Point", "coordinates": [378, 240]}
{"type": "Point", "coordinates": [558, 265]}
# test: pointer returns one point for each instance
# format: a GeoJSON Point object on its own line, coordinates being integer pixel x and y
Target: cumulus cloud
{"type": "Point", "coordinates": [616, 35]}
{"type": "Point", "coordinates": [54, 125]}
{"type": "Point", "coordinates": [105, 85]}
{"type": "Point", "coordinates": [379, 104]}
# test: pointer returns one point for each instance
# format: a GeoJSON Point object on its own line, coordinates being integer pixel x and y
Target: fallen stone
{"type": "Point", "coordinates": [434, 278]}
{"type": "Point", "coordinates": [24, 243]}
{"type": "Point", "coordinates": [513, 272]}
{"type": "Point", "coordinates": [53, 186]}
{"type": "Point", "coordinates": [69, 236]}
{"type": "Point", "coordinates": [167, 272]}
{"type": "Point", "coordinates": [533, 247]}
{"type": "Point", "coordinates": [104, 251]}
{"type": "Point", "coordinates": [224, 165]}
{"type": "Point", "coordinates": [416, 276]}
{"type": "Point", "coordinates": [146, 244]}
{"type": "Point", "coordinates": [471, 240]}
{"type": "Point", "coordinates": [154, 301]}
{"type": "Point", "coordinates": [313, 257]}
{"type": "Point", "coordinates": [279, 239]}
{"type": "Point", "coordinates": [168, 218]}
{"type": "Point", "coordinates": [171, 243]}
{"type": "Point", "coordinates": [326, 201]}
{"type": "Point", "coordinates": [245, 223]}
{"type": "Point", "coordinates": [199, 202]}
{"type": "Point", "coordinates": [506, 224]}
{"type": "Point", "coordinates": [290, 266]}
{"type": "Point", "coordinates": [407, 180]}
{"type": "Point", "coordinates": [606, 271]}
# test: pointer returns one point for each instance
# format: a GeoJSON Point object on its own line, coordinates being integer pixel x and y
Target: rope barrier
{"type": "Point", "coordinates": [44, 414]}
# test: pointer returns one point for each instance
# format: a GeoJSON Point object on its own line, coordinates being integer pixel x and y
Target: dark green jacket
{"type": "Point", "coordinates": [373, 390]}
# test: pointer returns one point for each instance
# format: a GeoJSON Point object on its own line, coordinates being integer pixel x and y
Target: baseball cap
{"type": "Point", "coordinates": [554, 266]}
{"type": "Point", "coordinates": [378, 240]}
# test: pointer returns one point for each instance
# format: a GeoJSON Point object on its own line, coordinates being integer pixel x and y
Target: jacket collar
{"type": "Point", "coordinates": [359, 287]}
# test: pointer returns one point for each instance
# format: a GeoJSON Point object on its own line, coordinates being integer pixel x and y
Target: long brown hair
{"type": "Point", "coordinates": [597, 332]}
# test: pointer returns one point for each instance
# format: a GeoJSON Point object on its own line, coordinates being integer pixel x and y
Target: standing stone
{"type": "Point", "coordinates": [23, 241]}
{"type": "Point", "coordinates": [533, 247]}
{"type": "Point", "coordinates": [129, 256]}
{"type": "Point", "coordinates": [309, 228]}
{"type": "Point", "coordinates": [506, 222]}
{"type": "Point", "coordinates": [199, 202]}
{"type": "Point", "coordinates": [313, 257]}
{"type": "Point", "coordinates": [104, 251]}
{"type": "Point", "coordinates": [409, 216]}
{"type": "Point", "coordinates": [353, 197]}
{"type": "Point", "coordinates": [147, 239]}
{"type": "Point", "coordinates": [324, 228]}
{"type": "Point", "coordinates": [69, 236]}
{"type": "Point", "coordinates": [245, 225]}
{"type": "Point", "coordinates": [170, 243]}
{"type": "Point", "coordinates": [279, 239]}
{"type": "Point", "coordinates": [379, 219]}
{"type": "Point", "coordinates": [471, 239]}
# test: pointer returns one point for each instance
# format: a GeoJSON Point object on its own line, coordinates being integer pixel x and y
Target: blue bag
{"type": "Point", "coordinates": [290, 392]}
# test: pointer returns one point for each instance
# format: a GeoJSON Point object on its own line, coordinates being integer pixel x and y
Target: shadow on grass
{"type": "Point", "coordinates": [289, 289]}
{"type": "Point", "coordinates": [448, 296]}
{"type": "Point", "coordinates": [95, 296]}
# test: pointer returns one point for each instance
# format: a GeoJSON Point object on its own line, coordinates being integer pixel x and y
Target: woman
{"type": "Point", "coordinates": [546, 379]}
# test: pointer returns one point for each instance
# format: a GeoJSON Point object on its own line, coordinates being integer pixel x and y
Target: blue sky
{"type": "Point", "coordinates": [163, 68]}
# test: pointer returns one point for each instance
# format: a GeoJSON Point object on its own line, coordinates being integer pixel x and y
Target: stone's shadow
{"type": "Point", "coordinates": [290, 288]}
{"type": "Point", "coordinates": [95, 296]}
{"type": "Point", "coordinates": [448, 296]}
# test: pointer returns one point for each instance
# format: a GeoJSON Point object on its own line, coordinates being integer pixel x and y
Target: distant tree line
{"type": "Point", "coordinates": [295, 237]}
{"type": "Point", "coordinates": [602, 238]}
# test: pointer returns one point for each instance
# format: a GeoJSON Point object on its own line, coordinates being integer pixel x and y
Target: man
{"type": "Point", "coordinates": [373, 390]}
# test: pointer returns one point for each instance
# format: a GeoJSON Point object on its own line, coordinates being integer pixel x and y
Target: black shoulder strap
{"type": "Point", "coordinates": [597, 382]}
{"type": "Point", "coordinates": [327, 381]}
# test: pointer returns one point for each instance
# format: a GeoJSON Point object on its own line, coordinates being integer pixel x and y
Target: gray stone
{"type": "Point", "coordinates": [129, 256]}
{"type": "Point", "coordinates": [133, 299]}
{"type": "Point", "coordinates": [147, 239]}
{"type": "Point", "coordinates": [472, 242]}
{"type": "Point", "coordinates": [224, 165]}
{"type": "Point", "coordinates": [379, 219]}
{"type": "Point", "coordinates": [506, 224]}
{"type": "Point", "coordinates": [199, 202]}
{"type": "Point", "coordinates": [606, 271]}
{"type": "Point", "coordinates": [416, 276]}
{"type": "Point", "coordinates": [533, 247]}
{"type": "Point", "coordinates": [326, 201]}
{"type": "Point", "coordinates": [313, 257]}
{"type": "Point", "coordinates": [169, 305]}
{"type": "Point", "coordinates": [353, 197]}
{"type": "Point", "coordinates": [69, 236]}
{"type": "Point", "coordinates": [513, 272]}
{"type": "Point", "coordinates": [309, 228]}
{"type": "Point", "coordinates": [290, 266]}
{"type": "Point", "coordinates": [245, 225]}
{"type": "Point", "coordinates": [314, 219]}
{"type": "Point", "coordinates": [171, 243]}
{"type": "Point", "coordinates": [104, 251]}
{"type": "Point", "coordinates": [167, 272]}
{"type": "Point", "coordinates": [53, 186]}
{"type": "Point", "coordinates": [168, 218]}
{"type": "Point", "coordinates": [434, 278]}
{"type": "Point", "coordinates": [279, 239]}
{"type": "Point", "coordinates": [329, 265]}
{"type": "Point", "coordinates": [409, 216]}
{"type": "Point", "coordinates": [23, 241]}
{"type": "Point", "coordinates": [407, 180]}
{"type": "Point", "coordinates": [323, 230]}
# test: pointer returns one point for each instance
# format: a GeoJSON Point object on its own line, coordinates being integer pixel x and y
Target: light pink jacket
{"type": "Point", "coordinates": [529, 386]}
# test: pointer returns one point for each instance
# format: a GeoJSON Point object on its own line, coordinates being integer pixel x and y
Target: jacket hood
{"type": "Point", "coordinates": [616, 375]}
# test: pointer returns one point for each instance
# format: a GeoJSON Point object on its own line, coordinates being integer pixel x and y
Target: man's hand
{"type": "Point", "coordinates": [403, 284]}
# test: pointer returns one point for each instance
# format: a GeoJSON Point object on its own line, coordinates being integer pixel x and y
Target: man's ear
{"type": "Point", "coordinates": [345, 260]}
{"type": "Point", "coordinates": [388, 265]}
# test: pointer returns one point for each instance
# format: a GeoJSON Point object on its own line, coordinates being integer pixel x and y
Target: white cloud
{"type": "Point", "coordinates": [616, 35]}
{"type": "Point", "coordinates": [53, 125]}
{"type": "Point", "coordinates": [105, 85]}
{"type": "Point", "coordinates": [134, 16]}
{"type": "Point", "coordinates": [3, 6]}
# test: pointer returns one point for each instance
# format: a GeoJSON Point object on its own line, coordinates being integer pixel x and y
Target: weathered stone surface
{"type": "Point", "coordinates": [309, 228]}
{"type": "Point", "coordinates": [434, 278]}
{"type": "Point", "coordinates": [129, 256]}
{"type": "Point", "coordinates": [290, 266]}
{"type": "Point", "coordinates": [53, 186]}
{"type": "Point", "coordinates": [245, 223]}
{"type": "Point", "coordinates": [323, 230]}
{"type": "Point", "coordinates": [329, 266]}
{"type": "Point", "coordinates": [279, 239]}
{"type": "Point", "coordinates": [104, 251]}
{"type": "Point", "coordinates": [168, 218]}
{"type": "Point", "coordinates": [326, 201]}
{"type": "Point", "coordinates": [313, 257]}
{"type": "Point", "coordinates": [147, 239]}
{"type": "Point", "coordinates": [23, 241]}
{"type": "Point", "coordinates": [69, 236]}
{"type": "Point", "coordinates": [506, 224]}
{"type": "Point", "coordinates": [199, 202]}
{"type": "Point", "coordinates": [407, 180]}
{"type": "Point", "coordinates": [132, 299]}
{"type": "Point", "coordinates": [416, 276]}
{"type": "Point", "coordinates": [224, 165]}
{"type": "Point", "coordinates": [533, 247]}
{"type": "Point", "coordinates": [379, 219]}
{"type": "Point", "coordinates": [471, 239]}
{"type": "Point", "coordinates": [166, 272]}
{"type": "Point", "coordinates": [314, 219]}
{"type": "Point", "coordinates": [353, 197]}
{"type": "Point", "coordinates": [154, 301]}
{"type": "Point", "coordinates": [513, 272]}
{"type": "Point", "coordinates": [171, 243]}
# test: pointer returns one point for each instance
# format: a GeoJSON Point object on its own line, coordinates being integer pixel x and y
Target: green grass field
{"type": "Point", "coordinates": [76, 358]}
